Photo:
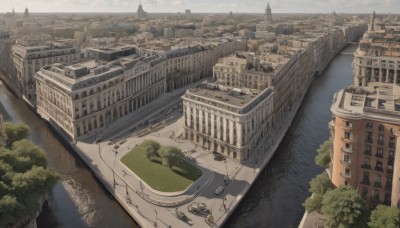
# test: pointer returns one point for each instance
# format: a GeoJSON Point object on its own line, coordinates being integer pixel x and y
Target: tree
{"type": "Point", "coordinates": [150, 148]}
{"type": "Point", "coordinates": [319, 185]}
{"type": "Point", "coordinates": [344, 207]}
{"type": "Point", "coordinates": [324, 154]}
{"type": "Point", "coordinates": [14, 132]}
{"type": "Point", "coordinates": [172, 156]}
{"type": "Point", "coordinates": [385, 216]}
{"type": "Point", "coordinates": [24, 176]}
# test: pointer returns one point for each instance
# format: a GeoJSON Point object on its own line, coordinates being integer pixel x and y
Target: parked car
{"type": "Point", "coordinates": [219, 190]}
{"type": "Point", "coordinates": [218, 156]}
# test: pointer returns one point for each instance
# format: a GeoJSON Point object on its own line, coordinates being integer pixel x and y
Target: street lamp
{"type": "Point", "coordinates": [115, 157]}
{"type": "Point", "coordinates": [155, 222]}
{"type": "Point", "coordinates": [227, 176]}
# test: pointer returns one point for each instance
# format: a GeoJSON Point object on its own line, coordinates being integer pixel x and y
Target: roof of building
{"type": "Point", "coordinates": [381, 100]}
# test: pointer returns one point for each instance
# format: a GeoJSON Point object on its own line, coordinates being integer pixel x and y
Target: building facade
{"type": "Point", "coordinates": [366, 122]}
{"type": "Point", "coordinates": [187, 64]}
{"type": "Point", "coordinates": [83, 98]}
{"type": "Point", "coordinates": [227, 120]}
{"type": "Point", "coordinates": [30, 55]}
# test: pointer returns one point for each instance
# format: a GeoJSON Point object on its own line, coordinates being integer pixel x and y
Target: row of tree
{"type": "Point", "coordinates": [170, 155]}
{"type": "Point", "coordinates": [343, 206]}
{"type": "Point", "coordinates": [24, 175]}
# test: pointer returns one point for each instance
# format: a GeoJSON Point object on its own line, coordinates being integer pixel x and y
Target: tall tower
{"type": "Point", "coordinates": [13, 12]}
{"type": "Point", "coordinates": [372, 22]}
{"type": "Point", "coordinates": [26, 13]}
{"type": "Point", "coordinates": [268, 15]}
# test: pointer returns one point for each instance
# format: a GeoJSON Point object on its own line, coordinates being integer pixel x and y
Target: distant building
{"type": "Point", "coordinates": [140, 13]}
{"type": "Point", "coordinates": [188, 12]}
{"type": "Point", "coordinates": [267, 20]}
{"type": "Point", "coordinates": [26, 13]}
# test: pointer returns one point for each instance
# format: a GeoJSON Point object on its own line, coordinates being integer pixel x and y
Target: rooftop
{"type": "Point", "coordinates": [377, 99]}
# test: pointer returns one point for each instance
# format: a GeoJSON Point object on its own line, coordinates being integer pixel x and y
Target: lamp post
{"type": "Point", "coordinates": [115, 157]}
{"type": "Point", "coordinates": [227, 176]}
{"type": "Point", "coordinates": [155, 222]}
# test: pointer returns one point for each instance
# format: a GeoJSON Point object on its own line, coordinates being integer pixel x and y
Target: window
{"type": "Point", "coordinates": [347, 135]}
{"type": "Point", "coordinates": [347, 171]}
{"type": "Point", "coordinates": [348, 124]}
{"type": "Point", "coordinates": [376, 195]}
{"type": "Point", "coordinates": [378, 178]}
{"type": "Point", "coordinates": [379, 152]}
{"type": "Point", "coordinates": [346, 158]}
{"type": "Point", "coordinates": [367, 150]}
{"type": "Point", "coordinates": [366, 161]}
{"type": "Point", "coordinates": [348, 145]}
{"type": "Point", "coordinates": [369, 137]}
{"type": "Point", "coordinates": [381, 127]}
{"type": "Point", "coordinates": [380, 139]}
{"type": "Point", "coordinates": [369, 125]}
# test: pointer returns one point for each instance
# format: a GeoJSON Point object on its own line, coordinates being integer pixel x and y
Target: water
{"type": "Point", "coordinates": [275, 199]}
{"type": "Point", "coordinates": [78, 200]}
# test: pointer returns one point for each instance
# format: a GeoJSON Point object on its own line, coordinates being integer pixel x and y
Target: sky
{"type": "Point", "coordinates": [204, 6]}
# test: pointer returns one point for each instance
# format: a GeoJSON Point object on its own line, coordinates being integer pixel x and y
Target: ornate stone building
{"type": "Point", "coordinates": [29, 55]}
{"type": "Point", "coordinates": [227, 120]}
{"type": "Point", "coordinates": [83, 98]}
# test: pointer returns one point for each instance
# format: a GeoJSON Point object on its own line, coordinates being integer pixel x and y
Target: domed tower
{"type": "Point", "coordinates": [268, 15]}
{"type": "Point", "coordinates": [26, 13]}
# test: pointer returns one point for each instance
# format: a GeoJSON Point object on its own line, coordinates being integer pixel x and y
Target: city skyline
{"type": "Point", "coordinates": [220, 6]}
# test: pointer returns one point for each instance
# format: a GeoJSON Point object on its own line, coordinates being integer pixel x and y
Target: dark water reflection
{"type": "Point", "coordinates": [78, 200]}
{"type": "Point", "coordinates": [276, 198]}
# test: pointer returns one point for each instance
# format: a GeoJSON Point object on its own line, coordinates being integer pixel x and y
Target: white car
{"type": "Point", "coordinates": [219, 190]}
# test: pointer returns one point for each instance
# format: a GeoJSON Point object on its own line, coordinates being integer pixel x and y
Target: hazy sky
{"type": "Point", "coordinates": [253, 6]}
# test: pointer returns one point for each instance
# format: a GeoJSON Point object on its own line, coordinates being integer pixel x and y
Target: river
{"type": "Point", "coordinates": [78, 200]}
{"type": "Point", "coordinates": [275, 200]}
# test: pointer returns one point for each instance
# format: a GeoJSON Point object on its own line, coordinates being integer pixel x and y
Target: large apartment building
{"type": "Point", "coordinates": [227, 120]}
{"type": "Point", "coordinates": [29, 55]}
{"type": "Point", "coordinates": [85, 97]}
{"type": "Point", "coordinates": [366, 121]}
{"type": "Point", "coordinates": [191, 62]}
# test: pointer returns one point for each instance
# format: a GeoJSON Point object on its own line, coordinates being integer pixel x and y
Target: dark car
{"type": "Point", "coordinates": [218, 156]}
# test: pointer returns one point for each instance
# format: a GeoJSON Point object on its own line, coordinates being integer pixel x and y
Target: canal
{"type": "Point", "coordinates": [78, 200]}
{"type": "Point", "coordinates": [275, 200]}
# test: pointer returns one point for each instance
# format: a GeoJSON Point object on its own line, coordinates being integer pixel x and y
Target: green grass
{"type": "Point", "coordinates": [158, 176]}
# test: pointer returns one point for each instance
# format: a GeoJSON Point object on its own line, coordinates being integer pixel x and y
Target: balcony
{"type": "Point", "coordinates": [348, 139]}
{"type": "Point", "coordinates": [347, 150]}
{"type": "Point", "coordinates": [377, 168]}
{"type": "Point", "coordinates": [345, 175]}
{"type": "Point", "coordinates": [368, 140]}
{"type": "Point", "coordinates": [389, 171]}
{"type": "Point", "coordinates": [375, 200]}
{"type": "Point", "coordinates": [365, 181]}
{"type": "Point", "coordinates": [388, 187]}
{"type": "Point", "coordinates": [380, 142]}
{"type": "Point", "coordinates": [391, 145]}
{"type": "Point", "coordinates": [379, 155]}
{"type": "Point", "coordinates": [345, 162]}
{"type": "Point", "coordinates": [368, 153]}
{"type": "Point", "coordinates": [365, 166]}
{"type": "Point", "coordinates": [377, 184]}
